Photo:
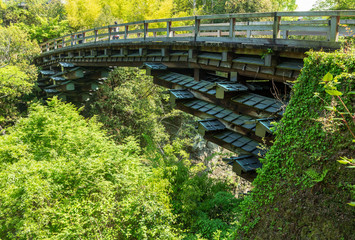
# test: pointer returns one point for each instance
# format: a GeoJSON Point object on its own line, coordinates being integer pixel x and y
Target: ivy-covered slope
{"type": "Point", "coordinates": [302, 191]}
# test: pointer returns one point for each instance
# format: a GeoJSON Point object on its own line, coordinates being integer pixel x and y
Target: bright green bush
{"type": "Point", "coordinates": [62, 178]}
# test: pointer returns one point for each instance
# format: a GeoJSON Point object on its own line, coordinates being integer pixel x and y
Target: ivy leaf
{"type": "Point", "coordinates": [330, 108]}
{"type": "Point", "coordinates": [343, 161]}
{"type": "Point", "coordinates": [328, 77]}
{"type": "Point", "coordinates": [350, 167]}
{"type": "Point", "coordinates": [352, 204]}
{"type": "Point", "coordinates": [351, 93]}
{"type": "Point", "coordinates": [334, 92]}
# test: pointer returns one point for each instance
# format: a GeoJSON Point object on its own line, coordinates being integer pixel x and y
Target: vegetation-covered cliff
{"type": "Point", "coordinates": [302, 191]}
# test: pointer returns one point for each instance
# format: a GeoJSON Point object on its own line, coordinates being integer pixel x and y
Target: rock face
{"type": "Point", "coordinates": [302, 190]}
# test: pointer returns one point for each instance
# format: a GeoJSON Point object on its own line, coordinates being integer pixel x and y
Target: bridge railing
{"type": "Point", "coordinates": [302, 29]}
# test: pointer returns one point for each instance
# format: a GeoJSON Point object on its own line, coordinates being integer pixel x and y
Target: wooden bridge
{"type": "Point", "coordinates": [234, 71]}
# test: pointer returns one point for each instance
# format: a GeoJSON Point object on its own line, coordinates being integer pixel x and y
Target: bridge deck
{"type": "Point", "coordinates": [319, 29]}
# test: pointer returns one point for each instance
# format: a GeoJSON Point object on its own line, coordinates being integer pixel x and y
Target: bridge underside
{"type": "Point", "coordinates": [272, 62]}
{"type": "Point", "coordinates": [237, 92]}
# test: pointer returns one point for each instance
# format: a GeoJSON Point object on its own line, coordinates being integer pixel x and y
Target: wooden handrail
{"type": "Point", "coordinates": [234, 27]}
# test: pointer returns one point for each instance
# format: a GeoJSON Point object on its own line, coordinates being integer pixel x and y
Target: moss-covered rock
{"type": "Point", "coordinates": [302, 191]}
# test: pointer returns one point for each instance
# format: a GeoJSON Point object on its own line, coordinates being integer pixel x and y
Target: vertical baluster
{"type": "Point", "coordinates": [109, 33]}
{"type": "Point", "coordinates": [276, 27]}
{"type": "Point", "coordinates": [96, 34]}
{"type": "Point", "coordinates": [145, 30]}
{"type": "Point", "coordinates": [334, 29]}
{"type": "Point", "coordinates": [197, 28]}
{"type": "Point", "coordinates": [232, 28]}
{"type": "Point", "coordinates": [168, 28]}
{"type": "Point", "coordinates": [125, 31]}
{"type": "Point", "coordinates": [248, 31]}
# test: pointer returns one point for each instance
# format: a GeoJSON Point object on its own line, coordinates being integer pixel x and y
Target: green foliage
{"type": "Point", "coordinates": [46, 28]}
{"type": "Point", "coordinates": [85, 14]}
{"type": "Point", "coordinates": [244, 6]}
{"type": "Point", "coordinates": [334, 5]}
{"type": "Point", "coordinates": [17, 74]}
{"type": "Point", "coordinates": [42, 19]}
{"type": "Point", "coordinates": [62, 178]}
{"type": "Point", "coordinates": [203, 206]}
{"type": "Point", "coordinates": [309, 140]}
{"type": "Point", "coordinates": [129, 104]}
{"type": "Point", "coordinates": [314, 176]}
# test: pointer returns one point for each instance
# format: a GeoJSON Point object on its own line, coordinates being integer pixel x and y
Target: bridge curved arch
{"type": "Point", "coordinates": [185, 55]}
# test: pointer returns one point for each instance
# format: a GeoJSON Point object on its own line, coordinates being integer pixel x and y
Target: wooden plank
{"type": "Point", "coordinates": [136, 31]}
{"type": "Point", "coordinates": [306, 22]}
{"type": "Point", "coordinates": [254, 27]}
{"type": "Point", "coordinates": [171, 19]}
{"type": "Point", "coordinates": [305, 28]}
{"type": "Point", "coordinates": [214, 28]}
{"type": "Point", "coordinates": [156, 30]}
{"type": "Point", "coordinates": [347, 21]}
{"type": "Point", "coordinates": [185, 28]}
{"type": "Point", "coordinates": [237, 15]}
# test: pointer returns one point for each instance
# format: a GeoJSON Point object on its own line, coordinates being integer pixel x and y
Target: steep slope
{"type": "Point", "coordinates": [302, 191]}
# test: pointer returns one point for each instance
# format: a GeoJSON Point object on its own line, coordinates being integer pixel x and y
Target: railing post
{"type": "Point", "coordinates": [276, 27]}
{"type": "Point", "coordinates": [232, 27]}
{"type": "Point", "coordinates": [145, 30]}
{"type": "Point", "coordinates": [125, 31]}
{"type": "Point", "coordinates": [197, 28]}
{"type": "Point", "coordinates": [47, 47]}
{"type": "Point", "coordinates": [72, 40]}
{"type": "Point", "coordinates": [334, 29]}
{"type": "Point", "coordinates": [84, 39]}
{"type": "Point", "coordinates": [168, 28]}
{"type": "Point", "coordinates": [109, 33]}
{"type": "Point", "coordinates": [248, 31]}
{"type": "Point", "coordinates": [63, 42]}
{"type": "Point", "coordinates": [55, 44]}
{"type": "Point", "coordinates": [96, 34]}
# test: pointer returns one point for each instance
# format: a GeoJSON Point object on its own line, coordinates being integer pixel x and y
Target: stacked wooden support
{"type": "Point", "coordinates": [70, 82]}
{"type": "Point", "coordinates": [235, 115]}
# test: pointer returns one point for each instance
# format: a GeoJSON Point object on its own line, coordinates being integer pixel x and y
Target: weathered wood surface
{"type": "Point", "coordinates": [256, 27]}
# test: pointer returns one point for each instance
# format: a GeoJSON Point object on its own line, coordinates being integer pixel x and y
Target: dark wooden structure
{"type": "Point", "coordinates": [234, 71]}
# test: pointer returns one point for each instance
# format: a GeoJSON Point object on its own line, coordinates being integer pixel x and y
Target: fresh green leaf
{"type": "Point", "coordinates": [328, 77]}
{"type": "Point", "coordinates": [330, 108]}
{"type": "Point", "coordinates": [334, 92]}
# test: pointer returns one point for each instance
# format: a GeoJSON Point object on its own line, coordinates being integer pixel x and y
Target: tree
{"type": "Point", "coordinates": [61, 177]}
{"type": "Point", "coordinates": [129, 104]}
{"type": "Point", "coordinates": [334, 5]}
{"type": "Point", "coordinates": [42, 19]}
{"type": "Point", "coordinates": [86, 14]}
{"type": "Point", "coordinates": [17, 74]}
{"type": "Point", "coordinates": [245, 6]}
